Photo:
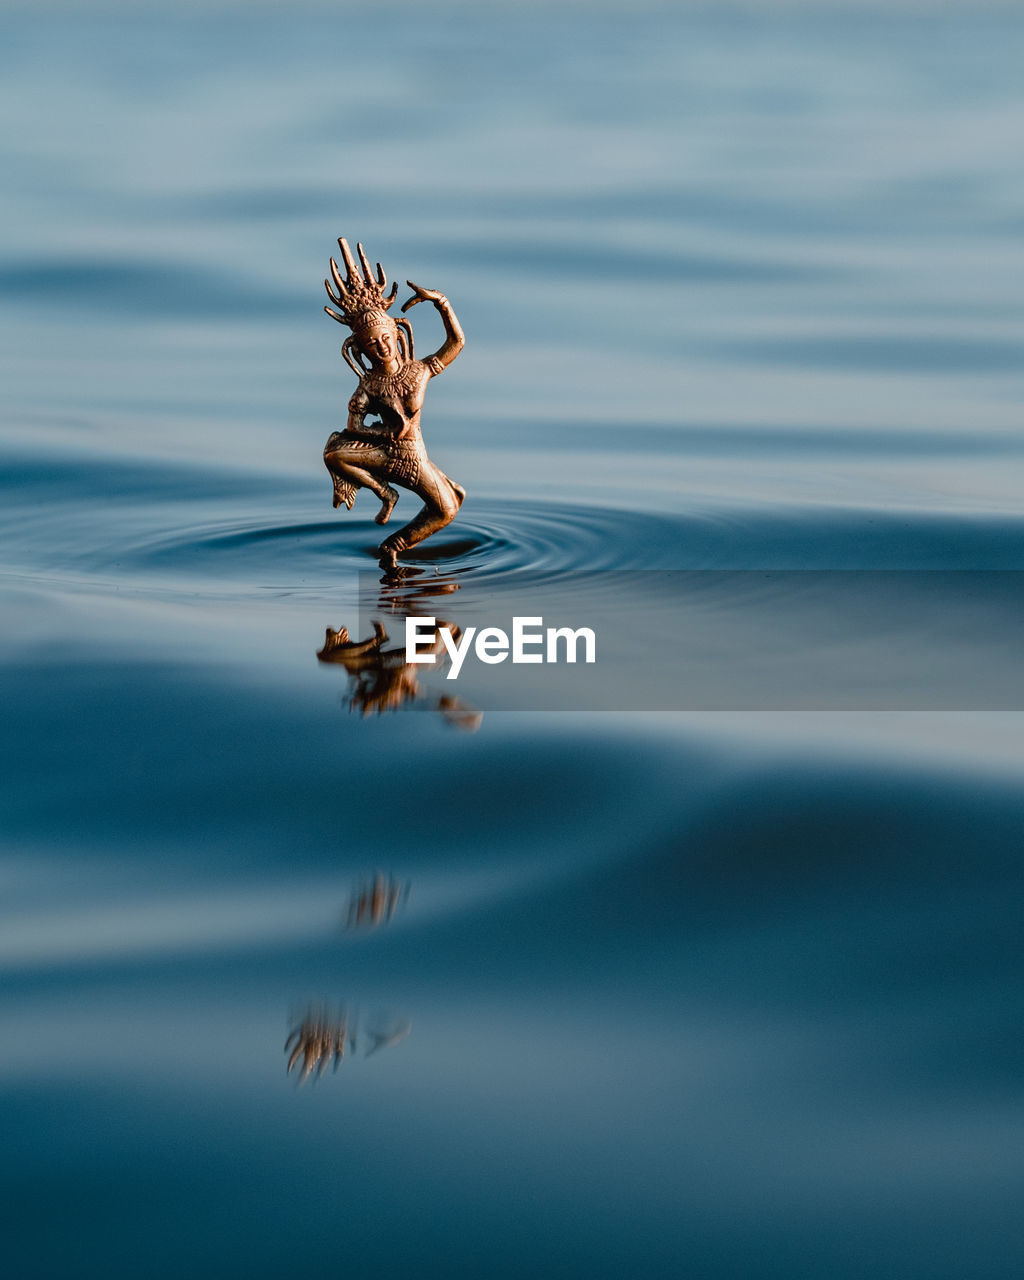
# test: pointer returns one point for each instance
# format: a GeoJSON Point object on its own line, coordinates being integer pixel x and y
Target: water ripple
{"type": "Point", "coordinates": [493, 540]}
{"type": "Point", "coordinates": [498, 537]}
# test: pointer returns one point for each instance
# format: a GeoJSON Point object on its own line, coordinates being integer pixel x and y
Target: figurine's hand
{"type": "Point", "coordinates": [422, 295]}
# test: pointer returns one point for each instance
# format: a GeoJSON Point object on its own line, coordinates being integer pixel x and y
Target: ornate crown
{"type": "Point", "coordinates": [360, 297]}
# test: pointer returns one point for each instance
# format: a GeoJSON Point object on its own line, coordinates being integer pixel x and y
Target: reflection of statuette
{"type": "Point", "coordinates": [375, 902]}
{"type": "Point", "coordinates": [321, 1036]}
{"type": "Point", "coordinates": [319, 1040]}
{"type": "Point", "coordinates": [383, 1037]}
{"type": "Point", "coordinates": [383, 680]}
{"type": "Point", "coordinates": [392, 382]}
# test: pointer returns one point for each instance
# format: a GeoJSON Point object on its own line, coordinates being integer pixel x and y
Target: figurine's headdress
{"type": "Point", "coordinates": [364, 306]}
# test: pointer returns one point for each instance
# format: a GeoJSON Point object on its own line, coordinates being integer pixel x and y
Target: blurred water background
{"type": "Point", "coordinates": [717, 994]}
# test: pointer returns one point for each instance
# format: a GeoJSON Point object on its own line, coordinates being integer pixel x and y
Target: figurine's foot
{"type": "Point", "coordinates": [388, 558]}
{"type": "Point", "coordinates": [392, 547]}
{"type": "Point", "coordinates": [387, 505]}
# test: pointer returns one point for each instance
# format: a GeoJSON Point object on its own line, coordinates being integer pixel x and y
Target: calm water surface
{"type": "Point", "coordinates": [720, 993]}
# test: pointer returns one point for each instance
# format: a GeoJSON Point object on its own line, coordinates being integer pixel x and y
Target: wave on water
{"type": "Point", "coordinates": [494, 539]}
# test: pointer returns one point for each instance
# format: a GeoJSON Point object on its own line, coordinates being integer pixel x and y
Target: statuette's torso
{"type": "Point", "coordinates": [396, 398]}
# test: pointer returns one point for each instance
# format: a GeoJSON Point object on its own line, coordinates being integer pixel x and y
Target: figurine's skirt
{"type": "Point", "coordinates": [400, 460]}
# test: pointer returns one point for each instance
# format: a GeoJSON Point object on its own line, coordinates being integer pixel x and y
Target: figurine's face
{"type": "Point", "coordinates": [380, 343]}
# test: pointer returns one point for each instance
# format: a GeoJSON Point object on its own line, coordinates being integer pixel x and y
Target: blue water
{"type": "Point", "coordinates": [721, 993]}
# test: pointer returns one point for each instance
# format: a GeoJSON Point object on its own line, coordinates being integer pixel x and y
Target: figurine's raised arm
{"type": "Point", "coordinates": [456, 339]}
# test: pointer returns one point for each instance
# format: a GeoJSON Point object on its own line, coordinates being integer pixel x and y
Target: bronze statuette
{"type": "Point", "coordinates": [374, 455]}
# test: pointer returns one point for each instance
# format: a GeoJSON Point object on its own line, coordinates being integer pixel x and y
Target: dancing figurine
{"type": "Point", "coordinates": [373, 455]}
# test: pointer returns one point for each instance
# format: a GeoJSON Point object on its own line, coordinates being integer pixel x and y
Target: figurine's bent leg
{"type": "Point", "coordinates": [442, 500]}
{"type": "Point", "coordinates": [460, 493]}
{"type": "Point", "coordinates": [349, 463]}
